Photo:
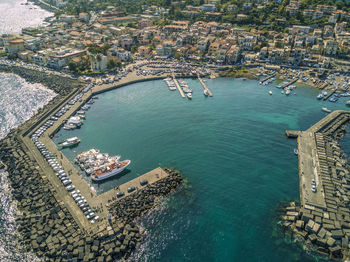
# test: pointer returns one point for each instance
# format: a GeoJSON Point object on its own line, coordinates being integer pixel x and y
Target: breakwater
{"type": "Point", "coordinates": [48, 223]}
{"type": "Point", "coordinates": [322, 220]}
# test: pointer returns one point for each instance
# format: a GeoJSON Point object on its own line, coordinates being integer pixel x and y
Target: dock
{"type": "Point", "coordinates": [267, 78]}
{"type": "Point", "coordinates": [289, 83]}
{"type": "Point", "coordinates": [329, 95]}
{"type": "Point", "coordinates": [182, 94]}
{"type": "Point", "coordinates": [204, 85]}
{"type": "Point", "coordinates": [292, 133]}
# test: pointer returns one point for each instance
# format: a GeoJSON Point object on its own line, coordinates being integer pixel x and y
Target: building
{"type": "Point", "coordinates": [15, 46]}
{"type": "Point", "coordinates": [208, 8]}
{"type": "Point", "coordinates": [98, 63]}
{"type": "Point", "coordinates": [330, 47]}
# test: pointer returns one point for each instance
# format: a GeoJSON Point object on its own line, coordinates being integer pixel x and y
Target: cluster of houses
{"type": "Point", "coordinates": [68, 38]}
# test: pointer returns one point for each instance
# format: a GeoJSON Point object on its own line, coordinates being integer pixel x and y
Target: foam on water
{"type": "Point", "coordinates": [19, 101]}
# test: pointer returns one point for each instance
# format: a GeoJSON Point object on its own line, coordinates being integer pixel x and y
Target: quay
{"type": "Point", "coordinates": [292, 133]}
{"type": "Point", "coordinates": [323, 217]}
{"type": "Point", "coordinates": [330, 94]}
{"type": "Point", "coordinates": [78, 181]}
{"type": "Point", "coordinates": [289, 83]}
{"type": "Point", "coordinates": [182, 94]}
{"type": "Point", "coordinates": [268, 77]}
{"type": "Point", "coordinates": [204, 85]}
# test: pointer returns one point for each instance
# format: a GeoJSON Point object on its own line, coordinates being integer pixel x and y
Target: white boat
{"type": "Point", "coordinates": [205, 92]}
{"type": "Point", "coordinates": [320, 96]}
{"type": "Point", "coordinates": [296, 151]}
{"type": "Point", "coordinates": [110, 171]}
{"type": "Point", "coordinates": [270, 92]}
{"type": "Point", "coordinates": [325, 109]}
{"type": "Point", "coordinates": [287, 92]}
{"type": "Point", "coordinates": [69, 127]}
{"type": "Point", "coordinates": [189, 95]}
{"type": "Point", "coordinates": [70, 142]}
{"type": "Point", "coordinates": [75, 120]}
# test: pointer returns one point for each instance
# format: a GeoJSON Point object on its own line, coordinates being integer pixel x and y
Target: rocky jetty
{"type": "Point", "coordinates": [133, 206]}
{"type": "Point", "coordinates": [326, 229]}
{"type": "Point", "coordinates": [61, 85]}
{"type": "Point", "coordinates": [47, 228]}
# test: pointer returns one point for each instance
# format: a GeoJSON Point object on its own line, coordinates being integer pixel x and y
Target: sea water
{"type": "Point", "coordinates": [231, 148]}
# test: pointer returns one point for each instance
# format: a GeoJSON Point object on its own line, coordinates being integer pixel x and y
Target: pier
{"type": "Point", "coordinates": [289, 83]}
{"type": "Point", "coordinates": [204, 85]}
{"type": "Point", "coordinates": [178, 87]}
{"type": "Point", "coordinates": [267, 78]}
{"type": "Point", "coordinates": [323, 217]}
{"type": "Point", "coordinates": [329, 95]}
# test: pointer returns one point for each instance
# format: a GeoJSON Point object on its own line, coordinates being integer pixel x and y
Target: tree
{"type": "Point", "coordinates": [72, 66]}
{"type": "Point", "coordinates": [111, 64]}
{"type": "Point", "coordinates": [134, 49]}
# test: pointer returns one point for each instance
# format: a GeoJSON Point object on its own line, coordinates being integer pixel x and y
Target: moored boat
{"type": "Point", "coordinates": [70, 142]}
{"type": "Point", "coordinates": [189, 95]}
{"type": "Point", "coordinates": [270, 92]}
{"type": "Point", "coordinates": [205, 92]}
{"type": "Point", "coordinates": [348, 103]}
{"type": "Point", "coordinates": [296, 152]}
{"type": "Point", "coordinates": [110, 171]}
{"type": "Point", "coordinates": [325, 109]}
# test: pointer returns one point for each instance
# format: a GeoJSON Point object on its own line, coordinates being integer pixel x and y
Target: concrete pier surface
{"type": "Point", "coordinates": [204, 85]}
{"type": "Point", "coordinates": [182, 94]}
{"type": "Point", "coordinates": [323, 217]}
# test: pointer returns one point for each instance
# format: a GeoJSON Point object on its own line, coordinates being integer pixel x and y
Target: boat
{"type": "Point", "coordinates": [69, 127]}
{"type": "Point", "coordinates": [270, 92]}
{"type": "Point", "coordinates": [110, 171]}
{"type": "Point", "coordinates": [282, 92]}
{"type": "Point", "coordinates": [296, 151]}
{"type": "Point", "coordinates": [287, 92]}
{"type": "Point", "coordinates": [325, 109]}
{"type": "Point", "coordinates": [189, 95]}
{"type": "Point", "coordinates": [348, 103]}
{"type": "Point", "coordinates": [70, 142]}
{"type": "Point", "coordinates": [320, 96]}
{"type": "Point", "coordinates": [205, 92]}
{"type": "Point", "coordinates": [75, 120]}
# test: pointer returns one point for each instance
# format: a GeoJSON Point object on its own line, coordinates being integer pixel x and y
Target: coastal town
{"type": "Point", "coordinates": [84, 51]}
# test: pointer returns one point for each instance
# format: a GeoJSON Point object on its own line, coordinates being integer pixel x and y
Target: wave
{"type": "Point", "coordinates": [19, 101]}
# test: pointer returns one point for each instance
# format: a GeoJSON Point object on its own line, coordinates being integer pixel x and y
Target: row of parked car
{"type": "Point", "coordinates": [59, 171]}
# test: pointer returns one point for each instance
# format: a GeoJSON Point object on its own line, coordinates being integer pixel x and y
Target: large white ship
{"type": "Point", "coordinates": [109, 171]}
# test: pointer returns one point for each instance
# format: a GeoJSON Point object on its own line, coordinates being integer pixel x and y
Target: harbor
{"type": "Point", "coordinates": [323, 218]}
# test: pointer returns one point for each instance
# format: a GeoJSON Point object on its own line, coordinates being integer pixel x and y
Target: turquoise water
{"type": "Point", "coordinates": [232, 150]}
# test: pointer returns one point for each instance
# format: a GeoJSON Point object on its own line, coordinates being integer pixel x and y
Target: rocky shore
{"type": "Point", "coordinates": [133, 206]}
{"type": "Point", "coordinates": [46, 227]}
{"type": "Point", "coordinates": [326, 230]}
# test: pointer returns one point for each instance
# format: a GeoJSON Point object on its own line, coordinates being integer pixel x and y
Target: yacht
{"type": "Point", "coordinates": [320, 96]}
{"type": "Point", "coordinates": [110, 170]}
{"type": "Point", "coordinates": [70, 142]}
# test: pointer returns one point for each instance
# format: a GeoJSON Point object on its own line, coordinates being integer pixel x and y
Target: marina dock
{"type": "Point", "coordinates": [289, 83]}
{"type": "Point", "coordinates": [204, 85]}
{"type": "Point", "coordinates": [329, 95]}
{"type": "Point", "coordinates": [178, 87]}
{"type": "Point", "coordinates": [267, 78]}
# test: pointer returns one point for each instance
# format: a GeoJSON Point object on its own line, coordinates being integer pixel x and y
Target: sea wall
{"type": "Point", "coordinates": [322, 218]}
{"type": "Point", "coordinates": [45, 225]}
{"type": "Point", "coordinates": [48, 229]}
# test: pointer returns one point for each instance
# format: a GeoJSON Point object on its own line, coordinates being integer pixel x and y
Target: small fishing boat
{"type": "Point", "coordinates": [287, 92]}
{"type": "Point", "coordinates": [189, 95]}
{"type": "Point", "coordinates": [325, 109]}
{"type": "Point", "coordinates": [270, 92]}
{"type": "Point", "coordinates": [296, 151]}
{"type": "Point", "coordinates": [205, 92]}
